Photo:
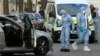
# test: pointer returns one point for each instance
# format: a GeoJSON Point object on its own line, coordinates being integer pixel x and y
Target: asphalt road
{"type": "Point", "coordinates": [95, 51]}
{"type": "Point", "coordinates": [94, 47]}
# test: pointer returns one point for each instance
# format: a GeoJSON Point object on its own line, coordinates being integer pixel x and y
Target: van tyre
{"type": "Point", "coordinates": [92, 38]}
{"type": "Point", "coordinates": [54, 37]}
{"type": "Point", "coordinates": [42, 47]}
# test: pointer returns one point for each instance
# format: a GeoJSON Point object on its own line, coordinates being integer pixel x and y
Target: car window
{"type": "Point", "coordinates": [38, 16]}
{"type": "Point", "coordinates": [71, 9]}
{"type": "Point", "coordinates": [13, 17]}
{"type": "Point", "coordinates": [31, 16]}
{"type": "Point", "coordinates": [21, 15]}
{"type": "Point", "coordinates": [5, 22]}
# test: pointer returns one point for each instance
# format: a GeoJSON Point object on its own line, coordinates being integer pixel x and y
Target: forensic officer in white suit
{"type": "Point", "coordinates": [66, 24]}
{"type": "Point", "coordinates": [82, 30]}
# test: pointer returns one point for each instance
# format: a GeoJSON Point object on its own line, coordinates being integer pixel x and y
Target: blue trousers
{"type": "Point", "coordinates": [83, 37]}
{"type": "Point", "coordinates": [64, 37]}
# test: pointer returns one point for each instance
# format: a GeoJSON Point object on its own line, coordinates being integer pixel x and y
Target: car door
{"type": "Point", "coordinates": [10, 36]}
{"type": "Point", "coordinates": [2, 38]}
{"type": "Point", "coordinates": [27, 31]}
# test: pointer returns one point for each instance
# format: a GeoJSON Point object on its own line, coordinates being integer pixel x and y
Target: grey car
{"type": "Point", "coordinates": [22, 38]}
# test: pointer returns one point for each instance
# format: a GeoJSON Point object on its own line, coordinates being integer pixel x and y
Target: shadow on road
{"type": "Point", "coordinates": [29, 55]}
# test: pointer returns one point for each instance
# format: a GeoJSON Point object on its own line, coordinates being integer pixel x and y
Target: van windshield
{"type": "Point", "coordinates": [71, 9]}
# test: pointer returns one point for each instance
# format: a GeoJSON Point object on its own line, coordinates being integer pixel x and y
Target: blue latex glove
{"type": "Point", "coordinates": [81, 29]}
{"type": "Point", "coordinates": [72, 31]}
{"type": "Point", "coordinates": [89, 29]}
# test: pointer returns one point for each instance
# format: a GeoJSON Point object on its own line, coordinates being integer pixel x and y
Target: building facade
{"type": "Point", "coordinates": [1, 7]}
{"type": "Point", "coordinates": [6, 6]}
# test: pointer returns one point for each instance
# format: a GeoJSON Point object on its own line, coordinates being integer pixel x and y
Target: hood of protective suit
{"type": "Point", "coordinates": [63, 12]}
{"type": "Point", "coordinates": [82, 9]}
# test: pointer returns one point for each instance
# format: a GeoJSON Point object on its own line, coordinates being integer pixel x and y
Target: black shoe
{"type": "Point", "coordinates": [65, 50]}
{"type": "Point", "coordinates": [62, 50]}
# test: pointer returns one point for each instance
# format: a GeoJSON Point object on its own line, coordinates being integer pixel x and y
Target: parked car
{"type": "Point", "coordinates": [37, 19]}
{"type": "Point", "coordinates": [14, 17]}
{"type": "Point", "coordinates": [17, 38]}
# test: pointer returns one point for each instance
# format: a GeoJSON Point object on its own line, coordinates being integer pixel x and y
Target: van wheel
{"type": "Point", "coordinates": [92, 38]}
{"type": "Point", "coordinates": [42, 47]}
{"type": "Point", "coordinates": [54, 37]}
{"type": "Point", "coordinates": [7, 54]}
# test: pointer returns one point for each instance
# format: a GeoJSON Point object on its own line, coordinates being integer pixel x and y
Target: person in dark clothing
{"type": "Point", "coordinates": [94, 13]}
{"type": "Point", "coordinates": [42, 13]}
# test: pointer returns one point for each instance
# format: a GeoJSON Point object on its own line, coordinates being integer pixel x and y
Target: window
{"type": "Point", "coordinates": [49, 9]}
{"type": "Point", "coordinates": [71, 9]}
{"type": "Point", "coordinates": [53, 10]}
{"type": "Point", "coordinates": [6, 22]}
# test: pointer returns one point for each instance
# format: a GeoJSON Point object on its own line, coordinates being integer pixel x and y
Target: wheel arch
{"type": "Point", "coordinates": [50, 41]}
